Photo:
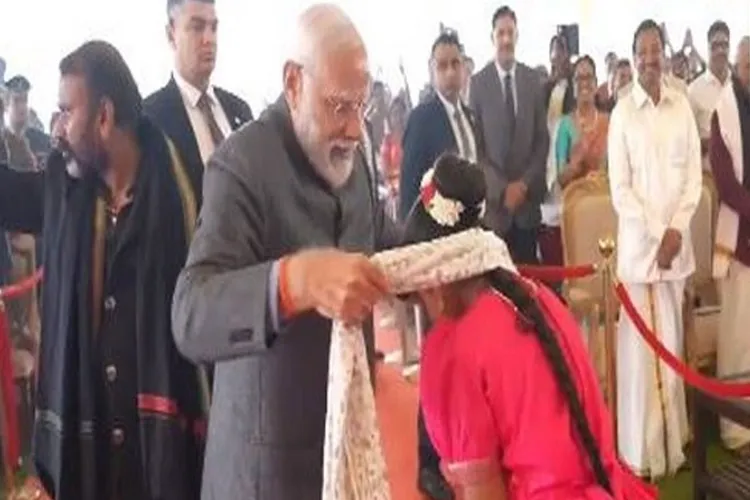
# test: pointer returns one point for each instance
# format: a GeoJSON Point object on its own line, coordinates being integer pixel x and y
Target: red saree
{"type": "Point", "coordinates": [490, 400]}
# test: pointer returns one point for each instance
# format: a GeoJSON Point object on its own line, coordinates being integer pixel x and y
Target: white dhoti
{"type": "Point", "coordinates": [652, 425]}
{"type": "Point", "coordinates": [733, 342]}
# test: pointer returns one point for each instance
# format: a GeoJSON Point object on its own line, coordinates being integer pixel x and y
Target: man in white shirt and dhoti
{"type": "Point", "coordinates": [655, 180]}
{"type": "Point", "coordinates": [729, 153]}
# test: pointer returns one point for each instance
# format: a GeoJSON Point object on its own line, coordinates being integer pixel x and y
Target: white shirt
{"type": "Point", "coordinates": [190, 97]}
{"type": "Point", "coordinates": [501, 73]}
{"type": "Point", "coordinates": [450, 108]}
{"type": "Point", "coordinates": [656, 181]}
{"type": "Point", "coordinates": [704, 93]}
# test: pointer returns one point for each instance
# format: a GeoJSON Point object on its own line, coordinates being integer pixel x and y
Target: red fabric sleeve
{"type": "Point", "coordinates": [457, 412]}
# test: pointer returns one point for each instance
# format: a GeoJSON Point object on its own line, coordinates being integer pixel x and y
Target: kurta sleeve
{"type": "Point", "coordinates": [691, 189]}
{"type": "Point", "coordinates": [627, 203]}
{"type": "Point", "coordinates": [460, 420]}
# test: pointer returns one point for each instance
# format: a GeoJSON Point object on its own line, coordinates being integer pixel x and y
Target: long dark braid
{"type": "Point", "coordinates": [529, 309]}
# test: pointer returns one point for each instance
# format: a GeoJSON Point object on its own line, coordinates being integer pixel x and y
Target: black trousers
{"type": "Point", "coordinates": [522, 244]}
{"type": "Point", "coordinates": [428, 456]}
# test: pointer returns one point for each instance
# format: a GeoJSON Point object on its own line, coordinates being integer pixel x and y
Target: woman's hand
{"type": "Point", "coordinates": [578, 158]}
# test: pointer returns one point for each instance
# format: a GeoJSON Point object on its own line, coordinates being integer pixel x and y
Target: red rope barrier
{"type": "Point", "coordinates": [557, 273]}
{"type": "Point", "coordinates": [692, 377]}
{"type": "Point", "coordinates": [23, 286]}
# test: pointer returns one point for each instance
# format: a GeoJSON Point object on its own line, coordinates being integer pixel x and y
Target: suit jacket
{"type": "Point", "coordinates": [428, 134]}
{"type": "Point", "coordinates": [167, 109]}
{"type": "Point", "coordinates": [263, 200]}
{"type": "Point", "coordinates": [522, 157]}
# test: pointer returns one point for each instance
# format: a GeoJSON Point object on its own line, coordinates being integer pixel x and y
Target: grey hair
{"type": "Point", "coordinates": [173, 5]}
{"type": "Point", "coordinates": [322, 28]}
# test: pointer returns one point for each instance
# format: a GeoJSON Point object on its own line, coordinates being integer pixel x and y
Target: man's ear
{"type": "Point", "coordinates": [105, 118]}
{"type": "Point", "coordinates": [169, 32]}
{"type": "Point", "coordinates": [292, 80]}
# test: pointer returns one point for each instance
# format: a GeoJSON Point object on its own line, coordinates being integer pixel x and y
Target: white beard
{"type": "Point", "coordinates": [336, 172]}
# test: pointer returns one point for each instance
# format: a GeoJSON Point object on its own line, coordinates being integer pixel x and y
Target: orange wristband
{"type": "Point", "coordinates": [286, 304]}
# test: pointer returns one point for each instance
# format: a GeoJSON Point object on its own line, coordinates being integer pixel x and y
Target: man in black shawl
{"type": "Point", "coordinates": [120, 414]}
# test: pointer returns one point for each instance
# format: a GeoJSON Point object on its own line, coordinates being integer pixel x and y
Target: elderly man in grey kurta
{"type": "Point", "coordinates": [279, 251]}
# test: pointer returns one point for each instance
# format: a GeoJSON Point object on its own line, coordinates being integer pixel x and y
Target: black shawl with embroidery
{"type": "Point", "coordinates": [171, 394]}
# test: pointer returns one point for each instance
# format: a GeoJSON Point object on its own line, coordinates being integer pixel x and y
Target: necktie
{"type": "Point", "coordinates": [204, 105]}
{"type": "Point", "coordinates": [510, 104]}
{"type": "Point", "coordinates": [463, 136]}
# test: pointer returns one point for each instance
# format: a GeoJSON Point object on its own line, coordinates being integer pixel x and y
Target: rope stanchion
{"type": "Point", "coordinates": [690, 376]}
{"type": "Point", "coordinates": [557, 273]}
{"type": "Point", "coordinates": [607, 250]}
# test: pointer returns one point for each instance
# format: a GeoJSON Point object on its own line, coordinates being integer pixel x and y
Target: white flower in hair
{"type": "Point", "coordinates": [482, 209]}
{"type": "Point", "coordinates": [444, 211]}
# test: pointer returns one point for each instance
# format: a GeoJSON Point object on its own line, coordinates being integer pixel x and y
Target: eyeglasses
{"type": "Point", "coordinates": [338, 106]}
{"type": "Point", "coordinates": [341, 108]}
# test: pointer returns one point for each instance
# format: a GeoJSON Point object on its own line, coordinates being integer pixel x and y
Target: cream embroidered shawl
{"type": "Point", "coordinates": [354, 467]}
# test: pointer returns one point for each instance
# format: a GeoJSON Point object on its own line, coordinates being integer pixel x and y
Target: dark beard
{"type": "Point", "coordinates": [95, 162]}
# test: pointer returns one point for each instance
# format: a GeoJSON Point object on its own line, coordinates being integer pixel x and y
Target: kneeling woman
{"type": "Point", "coordinates": [510, 398]}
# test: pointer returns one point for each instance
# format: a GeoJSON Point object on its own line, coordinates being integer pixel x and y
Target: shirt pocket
{"type": "Point", "coordinates": [677, 153]}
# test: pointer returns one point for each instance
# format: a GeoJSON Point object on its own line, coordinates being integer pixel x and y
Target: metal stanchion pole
{"type": "Point", "coordinates": [417, 328]}
{"type": "Point", "coordinates": [607, 250]}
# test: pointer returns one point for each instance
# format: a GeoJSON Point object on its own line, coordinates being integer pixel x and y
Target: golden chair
{"type": "Point", "coordinates": [587, 217]}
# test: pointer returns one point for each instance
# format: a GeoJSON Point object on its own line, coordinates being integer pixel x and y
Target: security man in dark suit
{"type": "Point", "coordinates": [194, 114]}
{"type": "Point", "coordinates": [440, 124]}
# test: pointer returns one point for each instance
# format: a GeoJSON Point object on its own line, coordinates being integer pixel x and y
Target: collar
{"type": "Point", "coordinates": [449, 106]}
{"type": "Point", "coordinates": [641, 98]}
{"type": "Point", "coordinates": [190, 94]}
{"type": "Point", "coordinates": [502, 73]}
{"type": "Point", "coordinates": [712, 79]}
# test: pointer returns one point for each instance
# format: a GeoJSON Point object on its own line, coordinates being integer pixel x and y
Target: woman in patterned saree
{"type": "Point", "coordinates": [509, 395]}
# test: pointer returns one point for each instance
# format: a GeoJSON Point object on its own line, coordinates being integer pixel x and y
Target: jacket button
{"type": "Point", "coordinates": [111, 372]}
{"type": "Point", "coordinates": [109, 304]}
{"type": "Point", "coordinates": [118, 436]}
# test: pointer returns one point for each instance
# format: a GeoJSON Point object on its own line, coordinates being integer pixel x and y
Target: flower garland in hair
{"type": "Point", "coordinates": [444, 211]}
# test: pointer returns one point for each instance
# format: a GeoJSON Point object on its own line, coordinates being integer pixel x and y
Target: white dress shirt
{"type": "Point", "coordinates": [656, 180]}
{"type": "Point", "coordinates": [190, 97]}
{"type": "Point", "coordinates": [501, 73]}
{"type": "Point", "coordinates": [450, 108]}
{"type": "Point", "coordinates": [704, 93]}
